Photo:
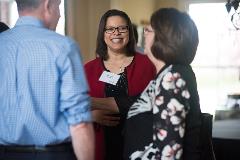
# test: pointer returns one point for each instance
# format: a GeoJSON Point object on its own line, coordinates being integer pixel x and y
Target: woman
{"type": "Point", "coordinates": [167, 114]}
{"type": "Point", "coordinates": [115, 77]}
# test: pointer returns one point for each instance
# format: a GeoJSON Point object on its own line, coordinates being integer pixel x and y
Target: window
{"type": "Point", "coordinates": [217, 62]}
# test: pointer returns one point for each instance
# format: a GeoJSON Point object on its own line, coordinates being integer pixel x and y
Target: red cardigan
{"type": "Point", "coordinates": [139, 73]}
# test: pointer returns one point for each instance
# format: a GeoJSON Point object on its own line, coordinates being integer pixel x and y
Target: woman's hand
{"type": "Point", "coordinates": [105, 117]}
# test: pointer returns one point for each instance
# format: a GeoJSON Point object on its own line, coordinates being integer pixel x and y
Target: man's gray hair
{"type": "Point", "coordinates": [27, 4]}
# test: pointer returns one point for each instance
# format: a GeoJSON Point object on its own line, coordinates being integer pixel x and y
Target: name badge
{"type": "Point", "coordinates": [109, 77]}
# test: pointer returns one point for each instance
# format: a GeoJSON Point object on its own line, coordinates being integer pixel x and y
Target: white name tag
{"type": "Point", "coordinates": [109, 77]}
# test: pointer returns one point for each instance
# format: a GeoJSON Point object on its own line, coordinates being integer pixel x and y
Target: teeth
{"type": "Point", "coordinates": [116, 40]}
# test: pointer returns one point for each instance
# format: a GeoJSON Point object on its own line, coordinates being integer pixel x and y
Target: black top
{"type": "Point", "coordinates": [120, 89]}
{"type": "Point", "coordinates": [113, 135]}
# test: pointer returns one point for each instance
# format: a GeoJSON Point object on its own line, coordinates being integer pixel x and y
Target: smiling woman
{"type": "Point", "coordinates": [116, 37]}
{"type": "Point", "coordinates": [120, 67]}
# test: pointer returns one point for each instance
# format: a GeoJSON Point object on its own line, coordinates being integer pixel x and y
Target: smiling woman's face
{"type": "Point", "coordinates": [118, 39]}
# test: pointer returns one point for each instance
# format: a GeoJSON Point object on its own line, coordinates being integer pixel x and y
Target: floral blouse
{"type": "Point", "coordinates": [155, 125]}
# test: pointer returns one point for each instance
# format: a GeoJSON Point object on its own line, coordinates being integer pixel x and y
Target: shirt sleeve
{"type": "Point", "coordinates": [74, 98]}
{"type": "Point", "coordinates": [170, 107]}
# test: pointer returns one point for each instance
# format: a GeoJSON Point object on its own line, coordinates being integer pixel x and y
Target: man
{"type": "Point", "coordinates": [44, 102]}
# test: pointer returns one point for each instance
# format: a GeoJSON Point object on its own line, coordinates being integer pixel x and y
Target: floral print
{"type": "Point", "coordinates": [168, 98]}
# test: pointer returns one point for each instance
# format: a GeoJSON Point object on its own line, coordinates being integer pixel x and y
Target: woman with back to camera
{"type": "Point", "coordinates": [115, 77]}
{"type": "Point", "coordinates": [167, 114]}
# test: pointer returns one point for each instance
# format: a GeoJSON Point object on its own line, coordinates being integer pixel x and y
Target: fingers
{"type": "Point", "coordinates": [106, 118]}
{"type": "Point", "coordinates": [111, 117]}
{"type": "Point", "coordinates": [110, 120]}
{"type": "Point", "coordinates": [109, 123]}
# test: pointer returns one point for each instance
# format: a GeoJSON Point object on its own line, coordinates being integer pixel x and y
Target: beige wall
{"type": "Point", "coordinates": [82, 17]}
{"type": "Point", "coordinates": [137, 10]}
{"type": "Point", "coordinates": [166, 3]}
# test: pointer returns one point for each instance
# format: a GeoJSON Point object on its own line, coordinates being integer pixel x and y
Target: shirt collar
{"type": "Point", "coordinates": [30, 21]}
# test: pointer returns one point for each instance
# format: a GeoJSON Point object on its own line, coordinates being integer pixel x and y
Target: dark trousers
{"type": "Point", "coordinates": [38, 156]}
{"type": "Point", "coordinates": [59, 152]}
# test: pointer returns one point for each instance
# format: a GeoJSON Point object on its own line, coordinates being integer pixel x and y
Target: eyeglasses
{"type": "Point", "coordinates": [120, 29]}
{"type": "Point", "coordinates": [147, 30]}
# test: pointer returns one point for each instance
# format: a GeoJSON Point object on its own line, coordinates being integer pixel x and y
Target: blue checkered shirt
{"type": "Point", "coordinates": [43, 88]}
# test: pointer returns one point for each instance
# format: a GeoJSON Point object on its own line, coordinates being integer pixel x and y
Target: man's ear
{"type": "Point", "coordinates": [46, 12]}
{"type": "Point", "coordinates": [46, 6]}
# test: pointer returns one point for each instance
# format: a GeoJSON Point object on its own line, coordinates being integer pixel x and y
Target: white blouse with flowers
{"type": "Point", "coordinates": [167, 98]}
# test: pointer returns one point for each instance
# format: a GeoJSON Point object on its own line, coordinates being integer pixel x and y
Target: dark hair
{"type": "Point", "coordinates": [176, 36]}
{"type": "Point", "coordinates": [135, 32]}
{"type": "Point", "coordinates": [3, 27]}
{"type": "Point", "coordinates": [101, 48]}
{"type": "Point", "coordinates": [24, 4]}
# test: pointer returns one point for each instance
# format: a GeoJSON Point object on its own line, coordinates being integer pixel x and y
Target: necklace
{"type": "Point", "coordinates": [122, 67]}
{"type": "Point", "coordinates": [119, 68]}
